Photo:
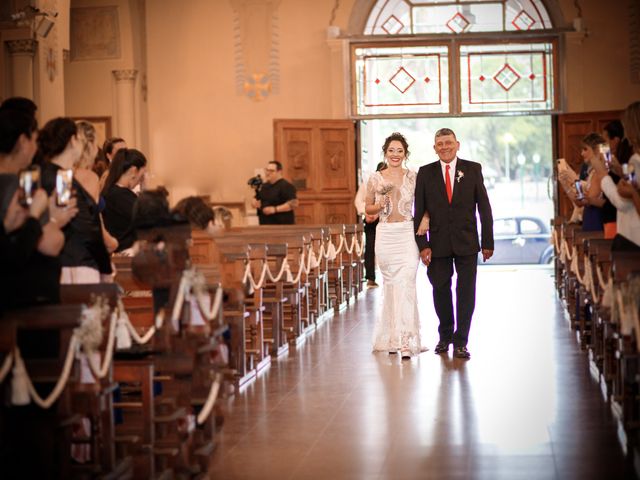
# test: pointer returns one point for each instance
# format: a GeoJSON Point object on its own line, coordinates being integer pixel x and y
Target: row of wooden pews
{"type": "Point", "coordinates": [601, 292]}
{"type": "Point", "coordinates": [295, 277]}
{"type": "Point", "coordinates": [126, 380]}
{"type": "Point", "coordinates": [131, 392]}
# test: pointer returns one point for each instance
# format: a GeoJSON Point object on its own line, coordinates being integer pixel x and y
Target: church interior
{"type": "Point", "coordinates": [227, 348]}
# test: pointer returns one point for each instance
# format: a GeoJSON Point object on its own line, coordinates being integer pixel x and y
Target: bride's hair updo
{"type": "Point", "coordinates": [398, 137]}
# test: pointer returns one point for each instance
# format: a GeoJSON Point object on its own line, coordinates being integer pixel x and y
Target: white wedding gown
{"type": "Point", "coordinates": [397, 327]}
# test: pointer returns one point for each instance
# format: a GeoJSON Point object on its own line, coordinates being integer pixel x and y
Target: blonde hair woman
{"type": "Point", "coordinates": [89, 179]}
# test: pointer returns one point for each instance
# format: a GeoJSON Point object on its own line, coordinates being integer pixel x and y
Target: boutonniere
{"type": "Point", "coordinates": [459, 174]}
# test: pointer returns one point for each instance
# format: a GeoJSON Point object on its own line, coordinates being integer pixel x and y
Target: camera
{"type": "Point", "coordinates": [64, 179]}
{"type": "Point", "coordinates": [255, 183]}
{"type": "Point", "coordinates": [29, 183]}
{"type": "Point", "coordinates": [580, 193]}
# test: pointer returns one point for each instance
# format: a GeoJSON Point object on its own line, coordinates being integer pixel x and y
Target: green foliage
{"type": "Point", "coordinates": [482, 139]}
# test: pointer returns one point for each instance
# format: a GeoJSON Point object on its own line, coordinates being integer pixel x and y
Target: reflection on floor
{"type": "Point", "coordinates": [523, 407]}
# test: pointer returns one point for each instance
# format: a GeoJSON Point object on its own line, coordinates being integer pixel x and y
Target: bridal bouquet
{"type": "Point", "coordinates": [385, 188]}
{"type": "Point", "coordinates": [384, 191]}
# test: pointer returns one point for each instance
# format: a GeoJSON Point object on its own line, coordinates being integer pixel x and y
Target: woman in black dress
{"type": "Point", "coordinates": [126, 172]}
{"type": "Point", "coordinates": [84, 254]}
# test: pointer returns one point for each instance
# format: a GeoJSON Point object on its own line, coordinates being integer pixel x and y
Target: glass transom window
{"type": "Point", "coordinates": [406, 17]}
{"type": "Point", "coordinates": [497, 78]}
{"type": "Point", "coordinates": [402, 80]}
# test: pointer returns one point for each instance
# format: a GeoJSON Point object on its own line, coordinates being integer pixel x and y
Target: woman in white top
{"type": "Point", "coordinates": [622, 195]}
{"type": "Point", "coordinates": [390, 195]}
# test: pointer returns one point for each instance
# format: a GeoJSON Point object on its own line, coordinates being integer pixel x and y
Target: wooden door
{"type": "Point", "coordinates": [571, 129]}
{"type": "Point", "coordinates": [319, 158]}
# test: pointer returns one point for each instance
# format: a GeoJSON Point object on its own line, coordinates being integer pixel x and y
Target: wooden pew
{"type": "Point", "coordinates": [94, 400]}
{"type": "Point", "coordinates": [49, 430]}
{"type": "Point", "coordinates": [248, 351]}
{"type": "Point", "coordinates": [318, 238]}
{"type": "Point", "coordinates": [598, 252]}
{"type": "Point", "coordinates": [567, 292]}
{"type": "Point", "coordinates": [294, 247]}
{"type": "Point", "coordinates": [180, 362]}
{"type": "Point", "coordinates": [625, 403]}
{"type": "Point", "coordinates": [582, 313]}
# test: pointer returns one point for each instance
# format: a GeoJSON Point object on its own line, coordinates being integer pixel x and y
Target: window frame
{"type": "Point", "coordinates": [453, 44]}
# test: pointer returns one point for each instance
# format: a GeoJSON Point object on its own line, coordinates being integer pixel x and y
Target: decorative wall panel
{"type": "Point", "coordinates": [95, 33]}
{"type": "Point", "coordinates": [298, 162]}
{"type": "Point", "coordinates": [334, 151]}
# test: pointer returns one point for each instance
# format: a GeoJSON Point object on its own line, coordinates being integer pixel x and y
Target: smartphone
{"type": "Point", "coordinates": [580, 193]}
{"type": "Point", "coordinates": [29, 183]}
{"type": "Point", "coordinates": [64, 179]}
{"type": "Point", "coordinates": [629, 174]}
{"type": "Point", "coordinates": [606, 151]}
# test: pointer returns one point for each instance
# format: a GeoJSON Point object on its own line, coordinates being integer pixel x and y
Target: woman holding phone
{"type": "Point", "coordinates": [589, 194]}
{"type": "Point", "coordinates": [84, 252]}
{"type": "Point", "coordinates": [30, 235]}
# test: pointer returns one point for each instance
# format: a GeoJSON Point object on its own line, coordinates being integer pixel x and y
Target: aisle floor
{"type": "Point", "coordinates": [524, 406]}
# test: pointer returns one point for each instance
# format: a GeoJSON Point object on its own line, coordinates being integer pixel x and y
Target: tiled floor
{"type": "Point", "coordinates": [523, 407]}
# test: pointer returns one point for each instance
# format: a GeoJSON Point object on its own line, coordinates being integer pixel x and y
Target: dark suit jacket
{"type": "Point", "coordinates": [453, 229]}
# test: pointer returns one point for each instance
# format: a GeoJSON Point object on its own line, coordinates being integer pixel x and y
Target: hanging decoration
{"type": "Point", "coordinates": [256, 47]}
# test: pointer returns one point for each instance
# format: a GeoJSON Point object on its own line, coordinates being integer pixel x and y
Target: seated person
{"type": "Point", "coordinates": [198, 213]}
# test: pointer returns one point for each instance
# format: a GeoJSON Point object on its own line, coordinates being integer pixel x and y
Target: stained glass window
{"type": "Point", "coordinates": [402, 80]}
{"type": "Point", "coordinates": [506, 77]}
{"type": "Point", "coordinates": [396, 17]}
{"type": "Point", "coordinates": [461, 73]}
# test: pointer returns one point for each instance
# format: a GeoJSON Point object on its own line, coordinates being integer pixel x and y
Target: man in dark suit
{"type": "Point", "coordinates": [449, 191]}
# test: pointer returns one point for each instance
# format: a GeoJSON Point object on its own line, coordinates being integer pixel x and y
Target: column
{"type": "Point", "coordinates": [125, 115]}
{"type": "Point", "coordinates": [22, 53]}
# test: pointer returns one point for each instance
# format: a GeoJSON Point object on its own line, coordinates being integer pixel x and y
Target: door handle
{"type": "Point", "coordinates": [519, 241]}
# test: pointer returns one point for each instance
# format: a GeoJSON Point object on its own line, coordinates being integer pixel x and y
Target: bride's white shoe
{"type": "Point", "coordinates": [406, 355]}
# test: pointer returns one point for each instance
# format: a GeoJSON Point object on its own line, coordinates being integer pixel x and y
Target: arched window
{"type": "Point", "coordinates": [398, 17]}
{"type": "Point", "coordinates": [455, 57]}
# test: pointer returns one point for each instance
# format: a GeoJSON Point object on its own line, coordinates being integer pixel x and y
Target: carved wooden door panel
{"type": "Point", "coordinates": [572, 128]}
{"type": "Point", "coordinates": [319, 158]}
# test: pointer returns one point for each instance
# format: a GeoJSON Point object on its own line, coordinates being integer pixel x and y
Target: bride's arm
{"type": "Point", "coordinates": [423, 228]}
{"type": "Point", "coordinates": [370, 206]}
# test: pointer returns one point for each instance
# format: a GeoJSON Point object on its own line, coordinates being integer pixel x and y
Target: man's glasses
{"type": "Point", "coordinates": [271, 170]}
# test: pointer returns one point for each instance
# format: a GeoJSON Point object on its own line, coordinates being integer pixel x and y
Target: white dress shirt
{"type": "Point", "coordinates": [452, 172]}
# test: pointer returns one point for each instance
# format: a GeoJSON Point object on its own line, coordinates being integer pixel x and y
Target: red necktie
{"type": "Point", "coordinates": [447, 184]}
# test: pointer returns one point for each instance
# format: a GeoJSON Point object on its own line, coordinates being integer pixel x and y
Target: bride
{"type": "Point", "coordinates": [390, 195]}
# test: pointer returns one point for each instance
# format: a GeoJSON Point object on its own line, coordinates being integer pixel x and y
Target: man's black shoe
{"type": "Point", "coordinates": [461, 352]}
{"type": "Point", "coordinates": [441, 347]}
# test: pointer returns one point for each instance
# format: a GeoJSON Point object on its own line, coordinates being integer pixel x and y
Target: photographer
{"type": "Point", "coordinates": [276, 198]}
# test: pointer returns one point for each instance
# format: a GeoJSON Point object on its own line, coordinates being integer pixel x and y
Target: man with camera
{"type": "Point", "coordinates": [275, 199]}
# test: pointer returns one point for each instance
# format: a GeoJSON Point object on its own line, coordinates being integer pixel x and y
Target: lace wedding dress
{"type": "Point", "coordinates": [397, 327]}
